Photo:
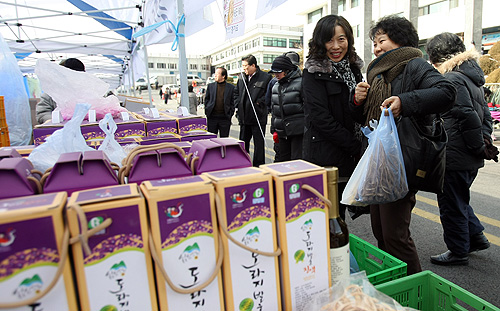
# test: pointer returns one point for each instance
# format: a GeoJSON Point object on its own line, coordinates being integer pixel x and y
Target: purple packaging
{"type": "Point", "coordinates": [194, 137]}
{"type": "Point", "coordinates": [162, 126]}
{"type": "Point", "coordinates": [75, 171]}
{"type": "Point", "coordinates": [16, 178]}
{"type": "Point", "coordinates": [189, 125]}
{"type": "Point", "coordinates": [117, 273]}
{"type": "Point", "coordinates": [218, 154]}
{"type": "Point", "coordinates": [42, 131]}
{"type": "Point", "coordinates": [31, 245]}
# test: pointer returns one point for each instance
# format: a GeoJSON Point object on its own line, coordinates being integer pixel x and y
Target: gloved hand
{"type": "Point", "coordinates": [490, 152]}
{"type": "Point", "coordinates": [275, 137]}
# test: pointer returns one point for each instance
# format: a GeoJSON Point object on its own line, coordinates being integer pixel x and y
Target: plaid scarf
{"type": "Point", "coordinates": [381, 71]}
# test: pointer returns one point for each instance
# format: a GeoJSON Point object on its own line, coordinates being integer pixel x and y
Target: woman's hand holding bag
{"type": "Point", "coordinates": [380, 175]}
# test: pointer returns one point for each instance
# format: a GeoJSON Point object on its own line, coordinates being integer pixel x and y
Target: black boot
{"type": "Point", "coordinates": [478, 242]}
{"type": "Point", "coordinates": [449, 259]}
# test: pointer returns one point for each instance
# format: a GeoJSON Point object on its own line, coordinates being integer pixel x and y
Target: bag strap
{"type": "Point", "coordinates": [64, 255]}
{"type": "Point", "coordinates": [124, 171]}
{"type": "Point", "coordinates": [309, 188]}
{"type": "Point", "coordinates": [175, 288]}
{"type": "Point", "coordinates": [218, 205]}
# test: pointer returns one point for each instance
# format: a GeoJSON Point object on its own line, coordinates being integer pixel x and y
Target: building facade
{"type": "Point", "coordinates": [265, 42]}
{"type": "Point", "coordinates": [165, 67]}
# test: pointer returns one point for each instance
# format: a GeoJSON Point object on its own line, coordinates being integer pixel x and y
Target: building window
{"type": "Point", "coordinates": [255, 42]}
{"type": "Point", "coordinates": [269, 58]}
{"type": "Point", "coordinates": [240, 48]}
{"type": "Point", "coordinates": [233, 65]}
{"type": "Point", "coordinates": [204, 67]}
{"type": "Point", "coordinates": [161, 65]}
{"type": "Point", "coordinates": [295, 43]}
{"type": "Point", "coordinates": [151, 65]}
{"type": "Point", "coordinates": [354, 3]}
{"type": "Point", "coordinates": [342, 6]}
{"type": "Point", "coordinates": [172, 66]}
{"type": "Point", "coordinates": [193, 66]}
{"type": "Point", "coordinates": [314, 16]}
{"type": "Point", "coordinates": [276, 42]}
{"type": "Point", "coordinates": [453, 4]}
{"type": "Point", "coordinates": [248, 45]}
{"type": "Point", "coordinates": [433, 8]}
{"type": "Point", "coordinates": [228, 67]}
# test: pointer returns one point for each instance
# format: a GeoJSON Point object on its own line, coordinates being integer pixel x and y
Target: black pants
{"type": "Point", "coordinates": [457, 216]}
{"type": "Point", "coordinates": [246, 134]}
{"type": "Point", "coordinates": [391, 227]}
{"type": "Point", "coordinates": [290, 148]}
{"type": "Point", "coordinates": [218, 124]}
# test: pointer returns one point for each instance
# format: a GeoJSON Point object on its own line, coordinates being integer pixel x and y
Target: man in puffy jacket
{"type": "Point", "coordinates": [287, 108]}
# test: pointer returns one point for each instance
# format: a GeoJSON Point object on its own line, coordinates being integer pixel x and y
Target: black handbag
{"type": "Point", "coordinates": [424, 153]}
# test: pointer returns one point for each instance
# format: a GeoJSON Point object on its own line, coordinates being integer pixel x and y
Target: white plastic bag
{"type": "Point", "coordinates": [380, 175]}
{"type": "Point", "coordinates": [68, 87]}
{"type": "Point", "coordinates": [354, 293]}
{"type": "Point", "coordinates": [67, 139]}
{"type": "Point", "coordinates": [16, 103]}
{"type": "Point", "coordinates": [110, 146]}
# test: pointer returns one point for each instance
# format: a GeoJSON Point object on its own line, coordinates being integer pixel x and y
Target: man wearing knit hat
{"type": "Point", "coordinates": [287, 109]}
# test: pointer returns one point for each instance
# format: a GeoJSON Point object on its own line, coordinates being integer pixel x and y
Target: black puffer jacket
{"type": "Point", "coordinates": [329, 138]}
{"type": "Point", "coordinates": [288, 118]}
{"type": "Point", "coordinates": [469, 120]}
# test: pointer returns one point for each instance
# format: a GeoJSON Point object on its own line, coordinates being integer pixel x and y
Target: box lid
{"type": "Point", "coordinates": [290, 167]}
{"type": "Point", "coordinates": [30, 204]}
{"type": "Point", "coordinates": [103, 194]}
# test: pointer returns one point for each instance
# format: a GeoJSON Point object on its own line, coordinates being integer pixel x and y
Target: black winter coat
{"type": "Point", "coordinates": [257, 87]}
{"type": "Point", "coordinates": [329, 138]}
{"type": "Point", "coordinates": [288, 117]}
{"type": "Point", "coordinates": [469, 120]}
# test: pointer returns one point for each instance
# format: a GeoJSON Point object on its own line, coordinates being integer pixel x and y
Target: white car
{"type": "Point", "coordinates": [141, 84]}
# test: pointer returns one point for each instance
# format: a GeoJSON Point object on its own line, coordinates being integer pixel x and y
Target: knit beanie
{"type": "Point", "coordinates": [282, 63]}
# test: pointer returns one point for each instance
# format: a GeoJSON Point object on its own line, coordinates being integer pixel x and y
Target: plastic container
{"type": "Point", "coordinates": [380, 267]}
{"type": "Point", "coordinates": [427, 291]}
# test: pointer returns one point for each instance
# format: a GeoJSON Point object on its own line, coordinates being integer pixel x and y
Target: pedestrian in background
{"type": "Point", "coordinates": [252, 111]}
{"type": "Point", "coordinates": [469, 126]}
{"type": "Point", "coordinates": [331, 72]}
{"type": "Point", "coordinates": [219, 104]}
{"type": "Point", "coordinates": [193, 101]}
{"type": "Point", "coordinates": [401, 79]}
{"type": "Point", "coordinates": [287, 107]}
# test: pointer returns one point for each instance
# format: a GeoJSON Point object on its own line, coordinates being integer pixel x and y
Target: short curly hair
{"type": "Point", "coordinates": [443, 46]}
{"type": "Point", "coordinates": [324, 31]}
{"type": "Point", "coordinates": [397, 28]}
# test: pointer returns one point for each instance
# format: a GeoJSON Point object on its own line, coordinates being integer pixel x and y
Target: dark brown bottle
{"type": "Point", "coordinates": [339, 234]}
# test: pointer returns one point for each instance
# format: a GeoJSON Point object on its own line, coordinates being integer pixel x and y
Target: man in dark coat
{"type": "Point", "coordinates": [219, 104]}
{"type": "Point", "coordinates": [252, 110]}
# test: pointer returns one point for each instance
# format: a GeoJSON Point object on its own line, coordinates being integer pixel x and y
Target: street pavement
{"type": "Point", "coordinates": [482, 276]}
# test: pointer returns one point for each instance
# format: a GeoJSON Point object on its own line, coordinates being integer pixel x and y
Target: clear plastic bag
{"type": "Point", "coordinates": [110, 146]}
{"type": "Point", "coordinates": [67, 139]}
{"type": "Point", "coordinates": [354, 293]}
{"type": "Point", "coordinates": [380, 175]}
{"type": "Point", "coordinates": [16, 103]}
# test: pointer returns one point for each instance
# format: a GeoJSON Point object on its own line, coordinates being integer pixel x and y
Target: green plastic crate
{"type": "Point", "coordinates": [427, 291]}
{"type": "Point", "coordinates": [380, 267]}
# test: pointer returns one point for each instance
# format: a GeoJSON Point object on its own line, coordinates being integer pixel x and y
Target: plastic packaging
{"type": "Point", "coordinates": [380, 175]}
{"type": "Point", "coordinates": [354, 293]}
{"type": "Point", "coordinates": [16, 102]}
{"type": "Point", "coordinates": [67, 139]}
{"type": "Point", "coordinates": [68, 87]}
{"type": "Point", "coordinates": [110, 146]}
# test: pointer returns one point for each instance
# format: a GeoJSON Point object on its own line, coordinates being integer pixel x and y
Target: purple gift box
{"type": "Point", "coordinates": [162, 126]}
{"type": "Point", "coordinates": [75, 171]}
{"type": "Point", "coordinates": [194, 137]}
{"type": "Point", "coordinates": [158, 164]}
{"type": "Point", "coordinates": [151, 140]}
{"type": "Point", "coordinates": [23, 151]}
{"type": "Point", "coordinates": [218, 154]}
{"type": "Point", "coordinates": [42, 131]}
{"type": "Point", "coordinates": [9, 153]}
{"type": "Point", "coordinates": [16, 178]}
{"type": "Point", "coordinates": [189, 125]}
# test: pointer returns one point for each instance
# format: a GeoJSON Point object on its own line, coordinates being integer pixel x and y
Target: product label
{"type": "Point", "coordinates": [339, 263]}
{"type": "Point", "coordinates": [306, 241]}
{"type": "Point", "coordinates": [249, 220]}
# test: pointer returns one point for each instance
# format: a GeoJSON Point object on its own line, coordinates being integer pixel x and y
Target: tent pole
{"type": "Point", "coordinates": [182, 58]}
{"type": "Point", "coordinates": [150, 99]}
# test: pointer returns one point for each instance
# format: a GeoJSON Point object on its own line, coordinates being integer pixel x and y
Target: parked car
{"type": "Point", "coordinates": [170, 88]}
{"type": "Point", "coordinates": [190, 79]}
{"type": "Point", "coordinates": [210, 80]}
{"type": "Point", "coordinates": [141, 84]}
